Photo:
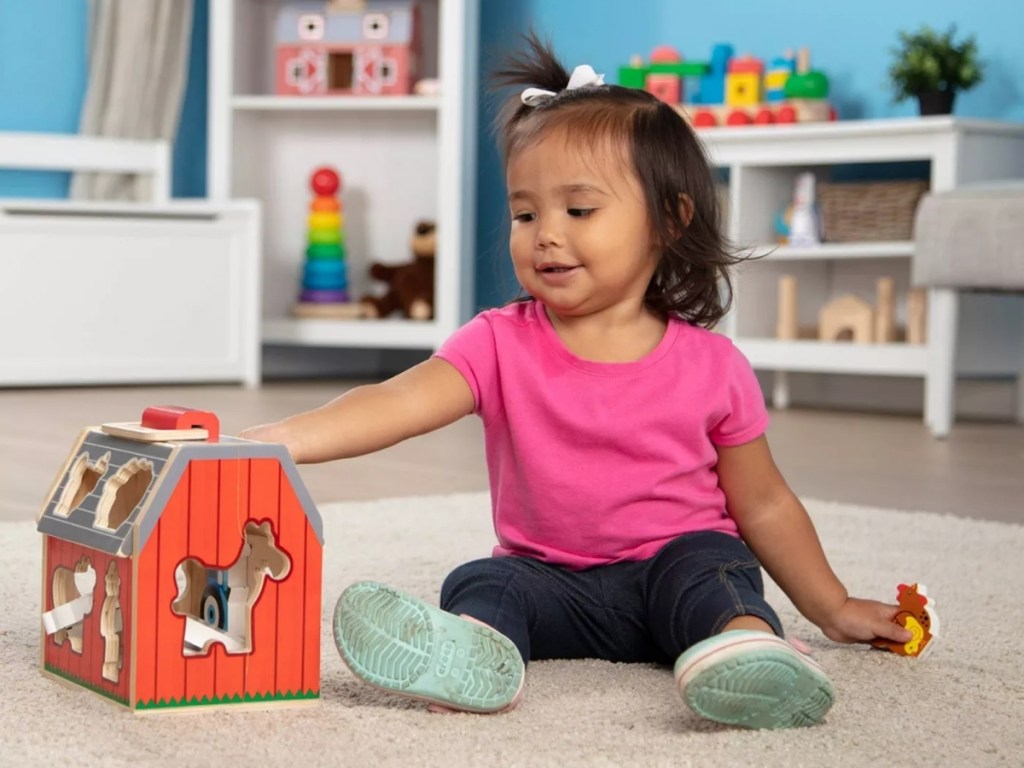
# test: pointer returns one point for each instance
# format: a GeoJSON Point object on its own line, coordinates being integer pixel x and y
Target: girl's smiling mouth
{"type": "Point", "coordinates": [556, 274]}
{"type": "Point", "coordinates": [551, 268]}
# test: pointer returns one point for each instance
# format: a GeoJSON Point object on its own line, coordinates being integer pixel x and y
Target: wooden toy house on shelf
{"type": "Point", "coordinates": [181, 568]}
{"type": "Point", "coordinates": [367, 47]}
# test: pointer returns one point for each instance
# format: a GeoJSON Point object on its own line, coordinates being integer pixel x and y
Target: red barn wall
{"type": "Point", "coordinates": [87, 667]}
{"type": "Point", "coordinates": [205, 518]}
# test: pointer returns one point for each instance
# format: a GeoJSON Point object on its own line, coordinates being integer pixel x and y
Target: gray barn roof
{"type": "Point", "coordinates": [169, 461]}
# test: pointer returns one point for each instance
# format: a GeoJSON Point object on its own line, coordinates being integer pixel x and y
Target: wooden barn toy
{"type": "Point", "coordinates": [369, 48]}
{"type": "Point", "coordinates": [181, 569]}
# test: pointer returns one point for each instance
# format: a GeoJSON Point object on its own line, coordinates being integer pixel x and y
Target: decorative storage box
{"type": "Point", "coordinates": [877, 210]}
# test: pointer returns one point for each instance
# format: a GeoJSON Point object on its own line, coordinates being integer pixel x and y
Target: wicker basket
{"type": "Point", "coordinates": [882, 210]}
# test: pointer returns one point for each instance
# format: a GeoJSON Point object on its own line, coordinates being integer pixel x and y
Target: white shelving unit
{"type": "Point", "coordinates": [762, 164]}
{"type": "Point", "coordinates": [401, 158]}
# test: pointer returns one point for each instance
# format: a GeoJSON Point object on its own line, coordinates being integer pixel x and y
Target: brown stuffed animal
{"type": "Point", "coordinates": [410, 286]}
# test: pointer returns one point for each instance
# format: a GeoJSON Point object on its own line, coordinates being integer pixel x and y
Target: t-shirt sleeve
{"type": "Point", "coordinates": [471, 349]}
{"type": "Point", "coordinates": [744, 416]}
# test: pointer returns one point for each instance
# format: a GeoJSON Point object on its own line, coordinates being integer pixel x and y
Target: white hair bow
{"type": "Point", "coordinates": [582, 76]}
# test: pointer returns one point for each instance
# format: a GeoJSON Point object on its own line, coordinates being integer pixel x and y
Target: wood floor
{"type": "Point", "coordinates": [881, 461]}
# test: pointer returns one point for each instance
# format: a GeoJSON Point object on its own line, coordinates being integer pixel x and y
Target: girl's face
{"type": "Point", "coordinates": [581, 239]}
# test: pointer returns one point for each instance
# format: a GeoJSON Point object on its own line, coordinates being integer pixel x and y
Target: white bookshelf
{"type": "Point", "coordinates": [762, 164]}
{"type": "Point", "coordinates": [828, 251]}
{"type": "Point", "coordinates": [402, 159]}
{"type": "Point", "coordinates": [336, 103]}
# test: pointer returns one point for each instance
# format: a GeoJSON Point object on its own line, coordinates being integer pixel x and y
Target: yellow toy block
{"type": "Point", "coordinates": [743, 89]}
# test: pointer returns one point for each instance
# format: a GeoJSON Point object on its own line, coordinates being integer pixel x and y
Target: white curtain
{"type": "Point", "coordinates": [138, 69]}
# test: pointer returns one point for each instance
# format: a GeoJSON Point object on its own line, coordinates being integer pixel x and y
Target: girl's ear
{"type": "Point", "coordinates": [685, 214]}
{"type": "Point", "coordinates": [685, 208]}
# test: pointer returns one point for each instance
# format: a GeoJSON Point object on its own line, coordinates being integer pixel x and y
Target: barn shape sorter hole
{"type": "Point", "coordinates": [181, 568]}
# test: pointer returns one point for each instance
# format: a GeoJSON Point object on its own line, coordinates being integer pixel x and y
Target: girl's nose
{"type": "Point", "coordinates": [548, 236]}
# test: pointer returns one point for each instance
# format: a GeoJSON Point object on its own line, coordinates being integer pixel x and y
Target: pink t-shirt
{"type": "Point", "coordinates": [594, 463]}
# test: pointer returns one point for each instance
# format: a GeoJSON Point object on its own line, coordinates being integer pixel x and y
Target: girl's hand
{"type": "Point", "coordinates": [861, 621]}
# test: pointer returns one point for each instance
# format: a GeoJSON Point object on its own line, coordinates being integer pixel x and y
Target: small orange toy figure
{"type": "Point", "coordinates": [917, 613]}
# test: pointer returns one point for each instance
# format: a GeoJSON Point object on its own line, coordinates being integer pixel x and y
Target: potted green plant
{"type": "Point", "coordinates": [932, 67]}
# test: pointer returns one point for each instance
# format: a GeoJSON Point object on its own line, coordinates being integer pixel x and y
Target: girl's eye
{"type": "Point", "coordinates": [523, 217]}
{"type": "Point", "coordinates": [581, 213]}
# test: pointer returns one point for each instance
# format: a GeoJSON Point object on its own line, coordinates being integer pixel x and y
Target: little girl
{"type": "Point", "coordinates": [633, 493]}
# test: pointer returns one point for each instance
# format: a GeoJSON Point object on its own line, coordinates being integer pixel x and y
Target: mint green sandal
{"type": "Point", "coordinates": [753, 679]}
{"type": "Point", "coordinates": [401, 644]}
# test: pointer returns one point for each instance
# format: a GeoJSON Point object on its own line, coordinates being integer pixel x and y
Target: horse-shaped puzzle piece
{"type": "Point", "coordinates": [217, 603]}
{"type": "Point", "coordinates": [917, 614]}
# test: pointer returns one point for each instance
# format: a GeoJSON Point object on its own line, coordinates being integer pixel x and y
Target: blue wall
{"type": "Point", "coordinates": [34, 52]}
{"type": "Point", "coordinates": [43, 75]}
{"type": "Point", "coordinates": [849, 41]}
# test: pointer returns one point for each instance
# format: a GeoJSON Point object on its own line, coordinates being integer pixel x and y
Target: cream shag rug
{"type": "Point", "coordinates": [963, 705]}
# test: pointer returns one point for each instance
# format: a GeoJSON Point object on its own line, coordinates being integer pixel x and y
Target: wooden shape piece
{"type": "Point", "coordinates": [847, 313]}
{"type": "Point", "coordinates": [916, 613]}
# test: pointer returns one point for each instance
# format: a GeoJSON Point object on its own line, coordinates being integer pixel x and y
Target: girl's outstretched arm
{"type": "Point", "coordinates": [426, 397]}
{"type": "Point", "coordinates": [777, 528]}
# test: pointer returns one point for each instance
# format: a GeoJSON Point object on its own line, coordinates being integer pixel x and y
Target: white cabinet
{"type": "Point", "coordinates": [402, 159]}
{"type": "Point", "coordinates": [128, 293]}
{"type": "Point", "coordinates": [761, 164]}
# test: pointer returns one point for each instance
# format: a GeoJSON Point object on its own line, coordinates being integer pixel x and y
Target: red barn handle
{"type": "Point", "coordinates": [177, 417]}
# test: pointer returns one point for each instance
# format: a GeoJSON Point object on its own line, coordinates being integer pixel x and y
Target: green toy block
{"type": "Point", "coordinates": [812, 85]}
{"type": "Point", "coordinates": [632, 77]}
{"type": "Point", "coordinates": [636, 77]}
{"type": "Point", "coordinates": [681, 68]}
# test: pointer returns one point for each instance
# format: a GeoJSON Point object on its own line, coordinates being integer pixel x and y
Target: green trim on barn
{"type": "Point", "coordinates": [222, 700]}
{"type": "Point", "coordinates": [84, 683]}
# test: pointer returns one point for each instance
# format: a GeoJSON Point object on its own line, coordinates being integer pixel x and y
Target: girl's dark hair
{"type": "Point", "coordinates": [692, 279]}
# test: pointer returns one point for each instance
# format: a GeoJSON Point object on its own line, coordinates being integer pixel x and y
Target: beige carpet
{"type": "Point", "coordinates": [961, 706]}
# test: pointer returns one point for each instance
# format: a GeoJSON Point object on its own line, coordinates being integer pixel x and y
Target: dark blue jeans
{"type": "Point", "coordinates": [641, 611]}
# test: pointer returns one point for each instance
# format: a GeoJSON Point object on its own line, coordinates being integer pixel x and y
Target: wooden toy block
{"type": "Point", "coordinates": [743, 82]}
{"type": "Point", "coordinates": [668, 88]}
{"type": "Point", "coordinates": [885, 310]}
{"type": "Point", "coordinates": [634, 74]}
{"type": "Point", "coordinates": [847, 314]}
{"type": "Point", "coordinates": [778, 73]}
{"type": "Point", "coordinates": [916, 613]}
{"type": "Point", "coordinates": [787, 328]}
{"type": "Point", "coordinates": [917, 315]}
{"type": "Point", "coordinates": [181, 570]}
{"type": "Point", "coordinates": [712, 84]}
{"type": "Point", "coordinates": [666, 85]}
